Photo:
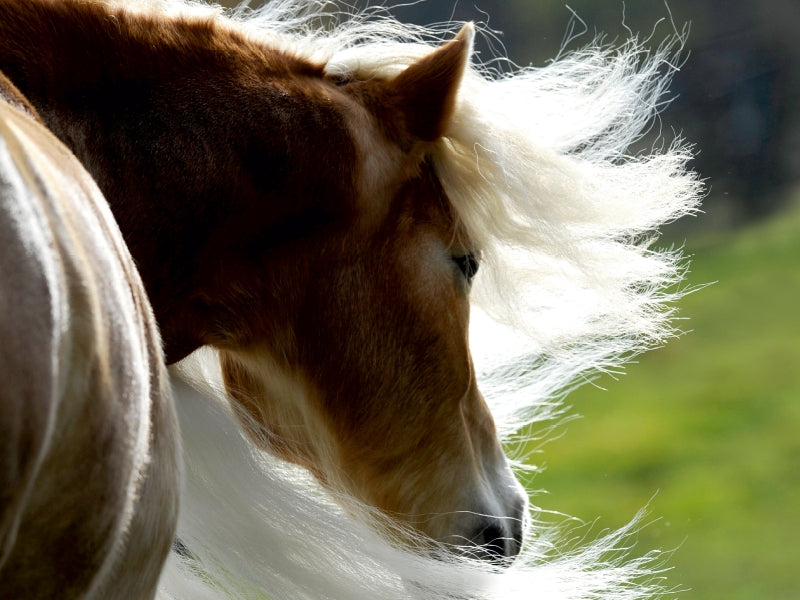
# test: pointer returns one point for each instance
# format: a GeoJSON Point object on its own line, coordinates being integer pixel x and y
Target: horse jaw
{"type": "Point", "coordinates": [466, 501]}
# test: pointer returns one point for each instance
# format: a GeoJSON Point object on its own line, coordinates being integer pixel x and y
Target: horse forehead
{"type": "Point", "coordinates": [380, 166]}
{"type": "Point", "coordinates": [394, 187]}
{"type": "Point", "coordinates": [389, 178]}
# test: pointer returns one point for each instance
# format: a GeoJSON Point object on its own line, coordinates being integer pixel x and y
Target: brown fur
{"type": "Point", "coordinates": [288, 219]}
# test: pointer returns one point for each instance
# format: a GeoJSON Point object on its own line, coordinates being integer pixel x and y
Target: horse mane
{"type": "Point", "coordinates": [536, 164]}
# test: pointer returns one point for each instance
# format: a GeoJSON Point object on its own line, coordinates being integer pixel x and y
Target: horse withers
{"type": "Point", "coordinates": [88, 437]}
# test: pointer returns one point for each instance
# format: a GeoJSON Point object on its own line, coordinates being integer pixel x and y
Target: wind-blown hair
{"type": "Point", "coordinates": [536, 164]}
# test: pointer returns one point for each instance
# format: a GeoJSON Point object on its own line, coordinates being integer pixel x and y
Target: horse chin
{"type": "Point", "coordinates": [460, 512]}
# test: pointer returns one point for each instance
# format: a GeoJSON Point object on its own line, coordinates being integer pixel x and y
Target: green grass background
{"type": "Point", "coordinates": [706, 431]}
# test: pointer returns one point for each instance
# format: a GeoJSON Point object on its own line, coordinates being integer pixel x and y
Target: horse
{"type": "Point", "coordinates": [85, 512]}
{"type": "Point", "coordinates": [316, 207]}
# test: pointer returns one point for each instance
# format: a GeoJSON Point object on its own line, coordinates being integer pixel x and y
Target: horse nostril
{"type": "Point", "coordinates": [497, 540]}
{"type": "Point", "coordinates": [493, 540]}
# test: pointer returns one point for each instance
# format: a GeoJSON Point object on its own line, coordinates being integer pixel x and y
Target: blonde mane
{"type": "Point", "coordinates": [536, 165]}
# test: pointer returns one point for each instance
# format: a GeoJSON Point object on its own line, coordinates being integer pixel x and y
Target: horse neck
{"type": "Point", "coordinates": [158, 112]}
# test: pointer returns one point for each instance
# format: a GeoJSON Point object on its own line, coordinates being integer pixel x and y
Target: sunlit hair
{"type": "Point", "coordinates": [536, 164]}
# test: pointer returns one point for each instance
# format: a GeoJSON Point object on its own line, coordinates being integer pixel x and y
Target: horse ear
{"type": "Point", "coordinates": [424, 95]}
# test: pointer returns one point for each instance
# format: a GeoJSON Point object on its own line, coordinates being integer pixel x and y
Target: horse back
{"type": "Point", "coordinates": [88, 440]}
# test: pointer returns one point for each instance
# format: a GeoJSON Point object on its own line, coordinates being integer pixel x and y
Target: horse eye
{"type": "Point", "coordinates": [468, 265]}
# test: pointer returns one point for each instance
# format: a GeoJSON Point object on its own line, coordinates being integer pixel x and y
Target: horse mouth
{"type": "Point", "coordinates": [497, 541]}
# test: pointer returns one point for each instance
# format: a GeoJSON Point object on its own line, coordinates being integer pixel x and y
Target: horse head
{"type": "Point", "coordinates": [359, 366]}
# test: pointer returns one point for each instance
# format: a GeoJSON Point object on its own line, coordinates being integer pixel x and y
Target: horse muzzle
{"type": "Point", "coordinates": [493, 532]}
{"type": "Point", "coordinates": [497, 540]}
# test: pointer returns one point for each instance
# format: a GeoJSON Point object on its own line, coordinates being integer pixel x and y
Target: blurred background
{"type": "Point", "coordinates": [705, 431]}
